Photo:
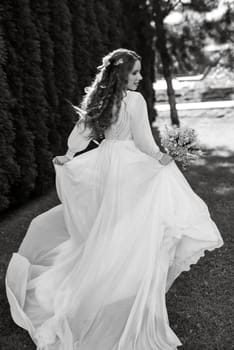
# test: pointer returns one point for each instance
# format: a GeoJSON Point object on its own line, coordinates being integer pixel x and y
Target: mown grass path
{"type": "Point", "coordinates": [200, 302]}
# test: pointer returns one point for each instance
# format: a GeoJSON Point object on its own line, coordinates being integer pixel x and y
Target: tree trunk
{"type": "Point", "coordinates": [165, 58]}
{"type": "Point", "coordinates": [172, 101]}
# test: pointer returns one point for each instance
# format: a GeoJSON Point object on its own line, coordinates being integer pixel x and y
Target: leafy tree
{"type": "Point", "coordinates": [219, 26]}
{"type": "Point", "coordinates": [201, 22]}
{"type": "Point", "coordinates": [180, 45]}
{"type": "Point", "coordinates": [203, 5]}
{"type": "Point", "coordinates": [184, 43]}
{"type": "Point", "coordinates": [160, 9]}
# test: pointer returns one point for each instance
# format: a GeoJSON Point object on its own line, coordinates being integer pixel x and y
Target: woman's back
{"type": "Point", "coordinates": [132, 124]}
{"type": "Point", "coordinates": [121, 129]}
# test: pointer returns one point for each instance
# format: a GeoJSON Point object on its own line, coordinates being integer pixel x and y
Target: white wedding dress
{"type": "Point", "coordinates": [92, 272]}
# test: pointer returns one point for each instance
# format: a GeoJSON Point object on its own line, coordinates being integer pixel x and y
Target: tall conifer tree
{"type": "Point", "coordinates": [24, 184]}
{"type": "Point", "coordinates": [95, 39]}
{"type": "Point", "coordinates": [8, 166]}
{"type": "Point", "coordinates": [53, 48]}
{"type": "Point", "coordinates": [34, 102]}
{"type": "Point", "coordinates": [82, 57]}
{"type": "Point", "coordinates": [61, 34]}
{"type": "Point", "coordinates": [41, 18]}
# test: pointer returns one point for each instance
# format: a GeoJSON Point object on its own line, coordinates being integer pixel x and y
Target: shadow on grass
{"type": "Point", "coordinates": [200, 303]}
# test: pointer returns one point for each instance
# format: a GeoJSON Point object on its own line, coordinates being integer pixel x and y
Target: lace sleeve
{"type": "Point", "coordinates": [78, 139]}
{"type": "Point", "coordinates": [140, 127]}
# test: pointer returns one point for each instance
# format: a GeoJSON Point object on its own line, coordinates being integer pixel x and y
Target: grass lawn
{"type": "Point", "coordinates": [201, 301]}
{"type": "Point", "coordinates": [12, 230]}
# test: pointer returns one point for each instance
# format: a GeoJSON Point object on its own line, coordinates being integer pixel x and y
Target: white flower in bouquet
{"type": "Point", "coordinates": [181, 144]}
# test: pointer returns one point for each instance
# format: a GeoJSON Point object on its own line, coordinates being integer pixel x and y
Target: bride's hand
{"type": "Point", "coordinates": [166, 159]}
{"type": "Point", "coordinates": [60, 160]}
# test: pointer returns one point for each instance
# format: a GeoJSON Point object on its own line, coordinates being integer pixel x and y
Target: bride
{"type": "Point", "coordinates": [92, 272]}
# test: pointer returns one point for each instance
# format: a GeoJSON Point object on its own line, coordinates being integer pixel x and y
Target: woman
{"type": "Point", "coordinates": [92, 273]}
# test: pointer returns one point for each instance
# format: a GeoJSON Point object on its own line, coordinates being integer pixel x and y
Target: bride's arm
{"type": "Point", "coordinates": [78, 139]}
{"type": "Point", "coordinates": [141, 129]}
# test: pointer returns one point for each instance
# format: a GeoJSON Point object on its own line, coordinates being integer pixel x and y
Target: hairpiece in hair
{"type": "Point", "coordinates": [119, 61]}
{"type": "Point", "coordinates": [106, 62]}
{"type": "Point", "coordinates": [87, 89]}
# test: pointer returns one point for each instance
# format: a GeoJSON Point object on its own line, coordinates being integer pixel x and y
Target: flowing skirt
{"type": "Point", "coordinates": [92, 272]}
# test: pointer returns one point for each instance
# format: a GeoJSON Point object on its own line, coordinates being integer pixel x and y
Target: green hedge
{"type": "Point", "coordinates": [49, 50]}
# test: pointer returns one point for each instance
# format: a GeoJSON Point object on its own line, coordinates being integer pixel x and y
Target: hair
{"type": "Point", "coordinates": [101, 104]}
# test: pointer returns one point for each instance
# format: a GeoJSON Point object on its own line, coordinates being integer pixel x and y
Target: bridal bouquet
{"type": "Point", "coordinates": [181, 144]}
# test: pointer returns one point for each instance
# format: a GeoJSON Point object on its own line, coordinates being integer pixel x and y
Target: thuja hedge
{"type": "Point", "coordinates": [49, 50]}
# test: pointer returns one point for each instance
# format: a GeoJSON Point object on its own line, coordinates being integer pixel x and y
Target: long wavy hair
{"type": "Point", "coordinates": [100, 105]}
